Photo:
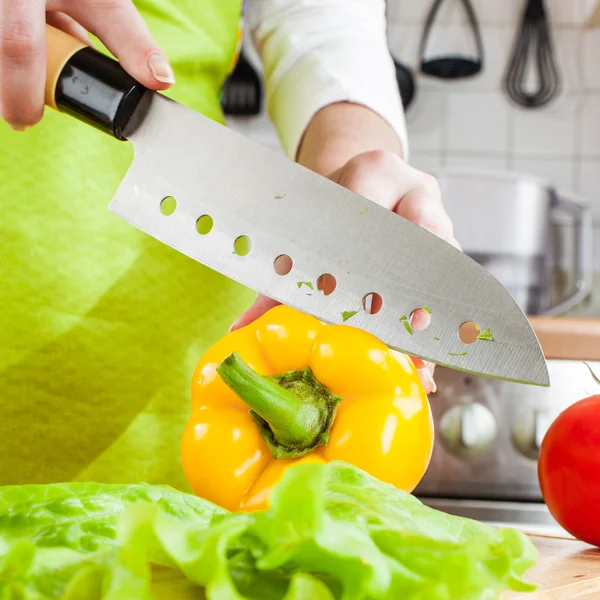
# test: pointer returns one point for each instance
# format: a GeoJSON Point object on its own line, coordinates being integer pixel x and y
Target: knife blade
{"type": "Point", "coordinates": [245, 211]}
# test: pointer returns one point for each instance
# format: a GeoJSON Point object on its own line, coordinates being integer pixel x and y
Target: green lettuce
{"type": "Point", "coordinates": [332, 533]}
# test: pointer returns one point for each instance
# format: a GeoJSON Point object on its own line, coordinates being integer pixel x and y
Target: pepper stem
{"type": "Point", "coordinates": [294, 411]}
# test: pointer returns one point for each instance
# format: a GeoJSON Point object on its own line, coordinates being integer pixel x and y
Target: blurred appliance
{"type": "Point", "coordinates": [526, 234]}
{"type": "Point", "coordinates": [488, 432]}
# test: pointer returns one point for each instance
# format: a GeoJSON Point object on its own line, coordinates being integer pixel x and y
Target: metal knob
{"type": "Point", "coordinates": [529, 431]}
{"type": "Point", "coordinates": [468, 430]}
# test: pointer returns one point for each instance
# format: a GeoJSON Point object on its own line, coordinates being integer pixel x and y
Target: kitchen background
{"type": "Point", "coordinates": [471, 122]}
{"type": "Point", "coordinates": [488, 433]}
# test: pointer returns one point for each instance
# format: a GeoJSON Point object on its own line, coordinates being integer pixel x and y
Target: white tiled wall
{"type": "Point", "coordinates": [472, 123]}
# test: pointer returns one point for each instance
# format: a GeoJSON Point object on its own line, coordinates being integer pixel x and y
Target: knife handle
{"type": "Point", "coordinates": [89, 85]}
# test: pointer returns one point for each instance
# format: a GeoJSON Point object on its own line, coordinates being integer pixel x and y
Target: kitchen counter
{"type": "Point", "coordinates": [566, 569]}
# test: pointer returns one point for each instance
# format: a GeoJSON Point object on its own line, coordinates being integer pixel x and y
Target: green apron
{"type": "Point", "coordinates": [100, 325]}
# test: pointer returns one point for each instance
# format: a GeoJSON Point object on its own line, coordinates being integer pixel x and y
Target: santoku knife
{"type": "Point", "coordinates": [277, 227]}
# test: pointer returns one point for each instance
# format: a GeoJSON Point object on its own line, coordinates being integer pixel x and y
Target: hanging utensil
{"type": "Point", "coordinates": [404, 78]}
{"type": "Point", "coordinates": [242, 92]}
{"type": "Point", "coordinates": [406, 83]}
{"type": "Point", "coordinates": [453, 66]}
{"type": "Point", "coordinates": [533, 43]}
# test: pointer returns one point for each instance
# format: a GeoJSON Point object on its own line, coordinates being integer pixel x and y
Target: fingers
{"type": "Point", "coordinates": [121, 28]}
{"type": "Point", "coordinates": [426, 375]}
{"type": "Point", "coordinates": [423, 206]}
{"type": "Point", "coordinates": [22, 62]}
{"type": "Point", "coordinates": [383, 177]}
{"type": "Point", "coordinates": [425, 371]}
{"type": "Point", "coordinates": [23, 49]}
{"type": "Point", "coordinates": [68, 25]}
{"type": "Point", "coordinates": [373, 175]}
{"type": "Point", "coordinates": [261, 305]}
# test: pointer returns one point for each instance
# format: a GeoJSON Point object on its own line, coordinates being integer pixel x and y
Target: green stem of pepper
{"type": "Point", "coordinates": [293, 411]}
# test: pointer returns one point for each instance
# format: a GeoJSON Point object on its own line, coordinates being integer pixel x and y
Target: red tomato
{"type": "Point", "coordinates": [569, 469]}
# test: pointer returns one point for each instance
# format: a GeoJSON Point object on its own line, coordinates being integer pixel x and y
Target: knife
{"type": "Point", "coordinates": [280, 229]}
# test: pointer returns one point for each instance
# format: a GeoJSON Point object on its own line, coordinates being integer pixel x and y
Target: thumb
{"type": "Point", "coordinates": [261, 305]}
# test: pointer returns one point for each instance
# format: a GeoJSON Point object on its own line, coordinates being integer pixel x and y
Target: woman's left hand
{"type": "Point", "coordinates": [383, 177]}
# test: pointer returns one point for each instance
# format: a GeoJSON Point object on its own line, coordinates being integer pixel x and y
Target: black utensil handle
{"type": "Point", "coordinates": [474, 24]}
{"type": "Point", "coordinates": [88, 85]}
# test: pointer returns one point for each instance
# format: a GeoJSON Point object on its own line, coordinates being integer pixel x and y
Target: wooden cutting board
{"type": "Point", "coordinates": [567, 569]}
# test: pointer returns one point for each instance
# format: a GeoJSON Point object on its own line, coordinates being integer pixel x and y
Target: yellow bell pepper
{"type": "Point", "coordinates": [287, 389]}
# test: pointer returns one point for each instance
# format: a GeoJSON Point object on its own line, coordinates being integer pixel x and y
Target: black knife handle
{"type": "Point", "coordinates": [90, 86]}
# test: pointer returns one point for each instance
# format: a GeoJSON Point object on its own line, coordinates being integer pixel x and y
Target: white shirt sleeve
{"type": "Point", "coordinates": [318, 52]}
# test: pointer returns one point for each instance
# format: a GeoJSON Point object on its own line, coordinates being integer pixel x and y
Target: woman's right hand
{"type": "Point", "coordinates": [116, 23]}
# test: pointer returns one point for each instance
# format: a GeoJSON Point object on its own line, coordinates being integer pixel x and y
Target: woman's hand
{"type": "Point", "coordinates": [383, 177]}
{"type": "Point", "coordinates": [116, 23]}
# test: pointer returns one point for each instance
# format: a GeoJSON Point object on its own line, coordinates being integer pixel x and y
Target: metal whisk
{"type": "Point", "coordinates": [533, 43]}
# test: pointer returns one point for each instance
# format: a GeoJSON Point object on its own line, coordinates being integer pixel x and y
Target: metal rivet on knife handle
{"type": "Point", "coordinates": [88, 85]}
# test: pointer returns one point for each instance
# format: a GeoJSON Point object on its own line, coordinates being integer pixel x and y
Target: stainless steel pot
{"type": "Point", "coordinates": [521, 229]}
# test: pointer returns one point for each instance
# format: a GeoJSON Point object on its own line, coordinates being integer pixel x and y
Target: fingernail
{"type": "Point", "coordinates": [428, 381]}
{"type": "Point", "coordinates": [160, 68]}
{"type": "Point", "coordinates": [238, 323]}
{"type": "Point", "coordinates": [419, 364]}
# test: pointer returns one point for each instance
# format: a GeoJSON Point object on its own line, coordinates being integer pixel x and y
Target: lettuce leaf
{"type": "Point", "coordinates": [332, 533]}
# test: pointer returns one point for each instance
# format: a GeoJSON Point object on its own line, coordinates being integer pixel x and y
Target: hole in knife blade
{"type": "Point", "coordinates": [242, 245]}
{"type": "Point", "coordinates": [204, 224]}
{"type": "Point", "coordinates": [372, 303]}
{"type": "Point", "coordinates": [168, 206]}
{"type": "Point", "coordinates": [283, 264]}
{"type": "Point", "coordinates": [468, 332]}
{"type": "Point", "coordinates": [419, 319]}
{"type": "Point", "coordinates": [326, 284]}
